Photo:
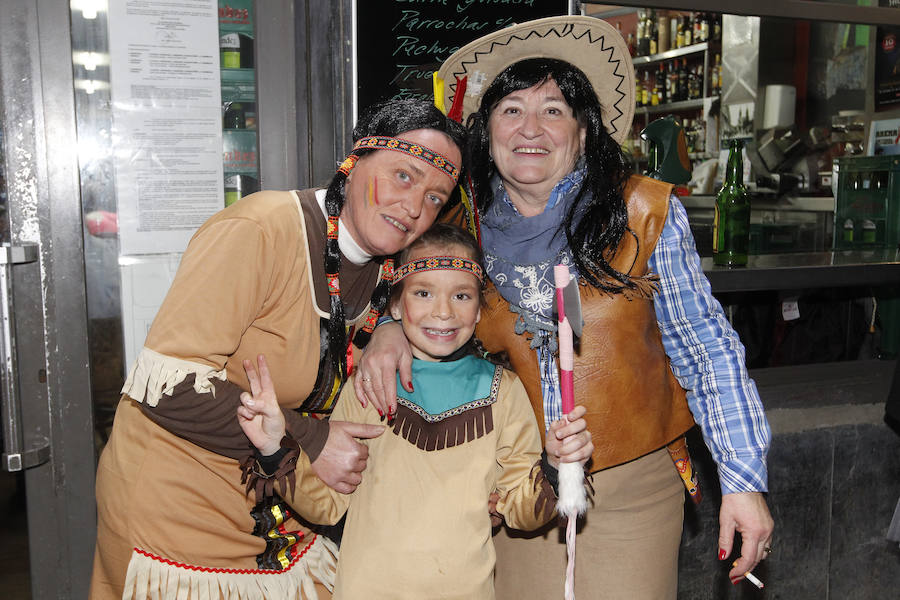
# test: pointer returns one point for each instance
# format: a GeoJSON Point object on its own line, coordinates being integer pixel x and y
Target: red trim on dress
{"type": "Point", "coordinates": [228, 571]}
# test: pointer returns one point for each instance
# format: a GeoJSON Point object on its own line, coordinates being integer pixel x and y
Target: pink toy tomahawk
{"type": "Point", "coordinates": [572, 494]}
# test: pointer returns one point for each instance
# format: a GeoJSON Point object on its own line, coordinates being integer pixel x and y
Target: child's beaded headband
{"type": "Point", "coordinates": [377, 142]}
{"type": "Point", "coordinates": [439, 263]}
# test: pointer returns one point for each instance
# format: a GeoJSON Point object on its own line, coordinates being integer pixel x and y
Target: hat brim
{"type": "Point", "coordinates": [591, 44]}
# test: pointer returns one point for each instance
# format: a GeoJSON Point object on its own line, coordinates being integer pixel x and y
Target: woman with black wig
{"type": "Point", "coordinates": [294, 276]}
{"type": "Point", "coordinates": [552, 186]}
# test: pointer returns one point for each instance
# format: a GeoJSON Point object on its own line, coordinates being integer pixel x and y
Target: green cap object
{"type": "Point", "coordinates": [669, 160]}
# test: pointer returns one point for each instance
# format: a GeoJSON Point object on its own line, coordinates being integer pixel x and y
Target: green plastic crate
{"type": "Point", "coordinates": [867, 207]}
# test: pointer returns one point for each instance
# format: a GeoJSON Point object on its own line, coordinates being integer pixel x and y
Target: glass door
{"type": "Point", "coordinates": [47, 424]}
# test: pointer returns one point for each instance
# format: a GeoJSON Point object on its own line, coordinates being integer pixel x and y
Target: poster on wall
{"type": "Point", "coordinates": [887, 63]}
{"type": "Point", "coordinates": [399, 43]}
{"type": "Point", "coordinates": [167, 122]}
{"type": "Point", "coordinates": [884, 137]}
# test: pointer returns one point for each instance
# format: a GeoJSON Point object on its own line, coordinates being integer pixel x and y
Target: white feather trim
{"type": "Point", "coordinates": [572, 493]}
{"type": "Point", "coordinates": [154, 374]}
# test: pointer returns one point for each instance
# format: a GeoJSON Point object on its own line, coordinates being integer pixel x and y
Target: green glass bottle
{"type": "Point", "coordinates": [731, 229]}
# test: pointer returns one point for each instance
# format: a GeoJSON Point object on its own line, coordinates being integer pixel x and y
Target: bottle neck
{"type": "Point", "coordinates": [734, 169]}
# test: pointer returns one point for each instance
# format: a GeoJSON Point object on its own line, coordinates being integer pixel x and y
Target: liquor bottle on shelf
{"type": "Point", "coordinates": [656, 93]}
{"type": "Point", "coordinates": [674, 29]}
{"type": "Point", "coordinates": [679, 33]}
{"type": "Point", "coordinates": [719, 74]}
{"type": "Point", "coordinates": [682, 92]}
{"type": "Point", "coordinates": [643, 34]}
{"type": "Point", "coordinates": [672, 91]}
{"type": "Point", "coordinates": [230, 50]}
{"type": "Point", "coordinates": [695, 83]}
{"type": "Point", "coordinates": [704, 27]}
{"type": "Point", "coordinates": [646, 90]}
{"type": "Point", "coordinates": [714, 82]}
{"type": "Point", "coordinates": [663, 42]}
{"type": "Point", "coordinates": [688, 33]}
{"type": "Point", "coordinates": [237, 186]}
{"type": "Point", "coordinates": [653, 33]}
{"type": "Point", "coordinates": [638, 92]}
{"type": "Point", "coordinates": [662, 82]}
{"type": "Point", "coordinates": [731, 227]}
{"type": "Point", "coordinates": [234, 117]}
{"type": "Point", "coordinates": [630, 42]}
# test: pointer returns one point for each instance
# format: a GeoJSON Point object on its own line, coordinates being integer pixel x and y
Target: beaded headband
{"type": "Point", "coordinates": [439, 263]}
{"type": "Point", "coordinates": [377, 142]}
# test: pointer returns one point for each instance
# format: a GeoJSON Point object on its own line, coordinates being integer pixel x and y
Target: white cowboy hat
{"type": "Point", "coordinates": [591, 44]}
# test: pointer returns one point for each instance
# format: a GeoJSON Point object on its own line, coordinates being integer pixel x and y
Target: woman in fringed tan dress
{"type": "Point", "coordinates": [175, 519]}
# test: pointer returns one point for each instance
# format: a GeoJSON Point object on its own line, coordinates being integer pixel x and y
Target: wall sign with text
{"type": "Point", "coordinates": [399, 43]}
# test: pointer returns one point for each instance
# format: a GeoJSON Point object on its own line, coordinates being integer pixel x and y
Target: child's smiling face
{"type": "Point", "coordinates": [438, 309]}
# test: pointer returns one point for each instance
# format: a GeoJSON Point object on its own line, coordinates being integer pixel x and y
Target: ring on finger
{"type": "Point", "coordinates": [367, 379]}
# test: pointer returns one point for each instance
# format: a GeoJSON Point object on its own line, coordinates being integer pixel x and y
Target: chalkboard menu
{"type": "Point", "coordinates": [399, 43]}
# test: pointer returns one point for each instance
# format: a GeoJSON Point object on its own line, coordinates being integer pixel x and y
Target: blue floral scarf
{"type": "Point", "coordinates": [520, 253]}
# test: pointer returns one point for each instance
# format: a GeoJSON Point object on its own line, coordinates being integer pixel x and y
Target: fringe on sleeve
{"type": "Point", "coordinates": [154, 374]}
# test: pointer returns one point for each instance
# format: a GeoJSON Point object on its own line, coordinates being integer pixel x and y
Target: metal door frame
{"type": "Point", "coordinates": [304, 104]}
{"type": "Point", "coordinates": [38, 122]}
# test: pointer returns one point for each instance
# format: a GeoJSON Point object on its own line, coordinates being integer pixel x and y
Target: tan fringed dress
{"type": "Point", "coordinates": [174, 520]}
{"type": "Point", "coordinates": [418, 525]}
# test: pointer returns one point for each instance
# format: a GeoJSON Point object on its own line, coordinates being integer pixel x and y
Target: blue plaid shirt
{"type": "Point", "coordinates": [708, 360]}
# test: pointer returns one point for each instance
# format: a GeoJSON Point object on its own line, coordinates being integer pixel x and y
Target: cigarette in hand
{"type": "Point", "coordinates": [751, 578]}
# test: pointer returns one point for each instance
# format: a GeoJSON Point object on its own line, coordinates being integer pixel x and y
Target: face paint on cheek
{"type": "Point", "coordinates": [370, 191]}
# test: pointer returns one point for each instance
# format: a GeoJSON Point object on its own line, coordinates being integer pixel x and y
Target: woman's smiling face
{"type": "Point", "coordinates": [535, 140]}
{"type": "Point", "coordinates": [392, 198]}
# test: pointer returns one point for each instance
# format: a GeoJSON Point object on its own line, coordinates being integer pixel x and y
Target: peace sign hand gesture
{"type": "Point", "coordinates": [260, 415]}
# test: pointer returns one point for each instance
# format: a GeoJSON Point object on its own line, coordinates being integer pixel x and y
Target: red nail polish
{"type": "Point", "coordinates": [722, 555]}
{"type": "Point", "coordinates": [410, 386]}
{"type": "Point", "coordinates": [735, 580]}
{"type": "Point", "coordinates": [380, 413]}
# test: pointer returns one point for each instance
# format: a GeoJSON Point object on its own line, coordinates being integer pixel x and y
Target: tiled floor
{"type": "Point", "coordinates": [15, 581]}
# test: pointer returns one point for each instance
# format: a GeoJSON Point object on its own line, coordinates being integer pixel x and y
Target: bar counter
{"type": "Point", "coordinates": [841, 268]}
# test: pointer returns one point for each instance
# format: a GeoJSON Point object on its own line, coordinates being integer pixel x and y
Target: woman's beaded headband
{"type": "Point", "coordinates": [439, 263]}
{"type": "Point", "coordinates": [377, 142]}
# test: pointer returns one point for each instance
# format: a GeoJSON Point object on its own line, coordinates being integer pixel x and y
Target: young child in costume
{"type": "Point", "coordinates": [417, 525]}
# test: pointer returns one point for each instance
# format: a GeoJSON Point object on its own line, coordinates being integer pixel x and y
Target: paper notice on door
{"type": "Point", "coordinates": [164, 53]}
{"type": "Point", "coordinates": [167, 121]}
{"type": "Point", "coordinates": [168, 178]}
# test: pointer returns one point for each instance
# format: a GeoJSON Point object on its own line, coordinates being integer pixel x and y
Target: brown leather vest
{"type": "Point", "coordinates": [635, 404]}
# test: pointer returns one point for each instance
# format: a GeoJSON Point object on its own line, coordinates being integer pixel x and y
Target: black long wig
{"type": "Point", "coordinates": [595, 237]}
{"type": "Point", "coordinates": [392, 119]}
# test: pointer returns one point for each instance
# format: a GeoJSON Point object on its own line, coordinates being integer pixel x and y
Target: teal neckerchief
{"type": "Point", "coordinates": [443, 389]}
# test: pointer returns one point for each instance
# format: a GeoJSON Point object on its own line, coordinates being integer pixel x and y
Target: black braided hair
{"type": "Point", "coordinates": [391, 118]}
{"type": "Point", "coordinates": [596, 236]}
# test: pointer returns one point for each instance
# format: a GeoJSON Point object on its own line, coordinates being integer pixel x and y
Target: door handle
{"type": "Point", "coordinates": [15, 456]}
